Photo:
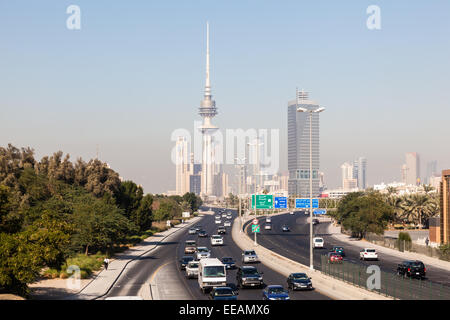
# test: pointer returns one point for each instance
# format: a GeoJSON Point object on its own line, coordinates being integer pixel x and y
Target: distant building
{"type": "Point", "coordinates": [431, 170]}
{"type": "Point", "coordinates": [349, 184]}
{"type": "Point", "coordinates": [361, 173]}
{"type": "Point", "coordinates": [435, 181]}
{"type": "Point", "coordinates": [299, 146]}
{"type": "Point", "coordinates": [412, 168]}
{"type": "Point", "coordinates": [445, 207]}
{"type": "Point", "coordinates": [182, 165]}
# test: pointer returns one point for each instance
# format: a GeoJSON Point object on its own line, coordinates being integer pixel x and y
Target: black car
{"type": "Point", "coordinates": [412, 269]}
{"type": "Point", "coordinates": [229, 262]}
{"type": "Point", "coordinates": [248, 276]}
{"type": "Point", "coordinates": [299, 281]}
{"type": "Point", "coordinates": [202, 234]}
{"type": "Point", "coordinates": [315, 221]}
{"type": "Point", "coordinates": [184, 261]}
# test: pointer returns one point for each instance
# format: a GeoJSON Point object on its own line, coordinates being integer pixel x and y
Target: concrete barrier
{"type": "Point", "coordinates": [331, 287]}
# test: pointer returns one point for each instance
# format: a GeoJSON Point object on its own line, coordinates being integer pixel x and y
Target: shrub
{"type": "Point", "coordinates": [444, 251]}
{"type": "Point", "coordinates": [404, 241]}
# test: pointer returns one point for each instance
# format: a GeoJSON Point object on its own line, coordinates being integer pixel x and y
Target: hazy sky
{"type": "Point", "coordinates": [135, 72]}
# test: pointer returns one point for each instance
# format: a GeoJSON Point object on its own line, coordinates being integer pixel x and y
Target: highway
{"type": "Point", "coordinates": [163, 263]}
{"type": "Point", "coordinates": [295, 245]}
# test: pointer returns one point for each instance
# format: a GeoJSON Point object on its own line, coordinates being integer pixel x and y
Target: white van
{"type": "Point", "coordinates": [211, 274]}
{"type": "Point", "coordinates": [318, 242]}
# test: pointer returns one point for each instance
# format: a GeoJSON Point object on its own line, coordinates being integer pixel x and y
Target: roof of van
{"type": "Point", "coordinates": [210, 262]}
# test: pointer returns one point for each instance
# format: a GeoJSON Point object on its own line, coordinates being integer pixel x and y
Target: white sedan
{"type": "Point", "coordinates": [368, 254]}
{"type": "Point", "coordinates": [227, 224]}
{"type": "Point", "coordinates": [216, 240]}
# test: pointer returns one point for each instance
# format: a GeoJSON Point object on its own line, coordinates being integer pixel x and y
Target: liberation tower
{"type": "Point", "coordinates": [207, 111]}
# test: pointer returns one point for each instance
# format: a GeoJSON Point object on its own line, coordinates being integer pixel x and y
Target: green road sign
{"type": "Point", "coordinates": [263, 201]}
{"type": "Point", "coordinates": [255, 227]}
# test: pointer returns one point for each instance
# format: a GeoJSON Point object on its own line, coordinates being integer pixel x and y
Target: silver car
{"type": "Point", "coordinates": [202, 252]}
{"type": "Point", "coordinates": [192, 269]}
{"type": "Point", "coordinates": [249, 256]}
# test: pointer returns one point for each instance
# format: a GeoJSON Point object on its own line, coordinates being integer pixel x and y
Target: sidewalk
{"type": "Point", "coordinates": [104, 281]}
{"type": "Point", "coordinates": [324, 284]}
{"type": "Point", "coordinates": [335, 232]}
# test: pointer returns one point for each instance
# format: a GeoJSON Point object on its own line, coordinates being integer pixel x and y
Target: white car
{"type": "Point", "coordinates": [368, 254]}
{"type": "Point", "coordinates": [291, 213]}
{"type": "Point", "coordinates": [202, 252]}
{"type": "Point", "coordinates": [192, 269]}
{"type": "Point", "coordinates": [218, 221]}
{"type": "Point", "coordinates": [249, 256]}
{"type": "Point", "coordinates": [227, 224]}
{"type": "Point", "coordinates": [268, 219]}
{"type": "Point", "coordinates": [267, 226]}
{"type": "Point", "coordinates": [192, 231]}
{"type": "Point", "coordinates": [216, 240]}
{"type": "Point", "coordinates": [317, 242]}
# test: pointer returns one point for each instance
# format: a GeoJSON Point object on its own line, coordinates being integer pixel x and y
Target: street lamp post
{"type": "Point", "coordinates": [318, 110]}
{"type": "Point", "coordinates": [241, 166]}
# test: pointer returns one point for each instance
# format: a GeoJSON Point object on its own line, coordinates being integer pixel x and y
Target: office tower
{"type": "Point", "coordinates": [299, 147]}
{"type": "Point", "coordinates": [207, 111]}
{"type": "Point", "coordinates": [445, 207]}
{"type": "Point", "coordinates": [431, 170]}
{"type": "Point", "coordinates": [412, 174]}
{"type": "Point", "coordinates": [195, 179]}
{"type": "Point", "coordinates": [362, 169]}
{"type": "Point", "coordinates": [182, 166]}
{"type": "Point", "coordinates": [347, 171]}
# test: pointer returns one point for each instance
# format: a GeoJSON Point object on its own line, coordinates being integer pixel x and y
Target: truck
{"type": "Point", "coordinates": [211, 274]}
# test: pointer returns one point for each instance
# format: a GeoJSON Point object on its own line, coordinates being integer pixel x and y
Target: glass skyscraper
{"type": "Point", "coordinates": [299, 148]}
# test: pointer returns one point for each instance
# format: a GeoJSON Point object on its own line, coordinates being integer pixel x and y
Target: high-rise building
{"type": "Point", "coordinates": [362, 169]}
{"type": "Point", "coordinates": [195, 178]}
{"type": "Point", "coordinates": [412, 168]}
{"type": "Point", "coordinates": [431, 170]}
{"type": "Point", "coordinates": [182, 166]}
{"type": "Point", "coordinates": [299, 146]}
{"type": "Point", "coordinates": [208, 111]}
{"type": "Point", "coordinates": [445, 207]}
{"type": "Point", "coordinates": [347, 173]}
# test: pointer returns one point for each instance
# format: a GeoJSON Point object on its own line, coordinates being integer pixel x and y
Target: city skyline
{"type": "Point", "coordinates": [117, 86]}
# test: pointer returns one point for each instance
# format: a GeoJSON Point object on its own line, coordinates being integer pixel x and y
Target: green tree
{"type": "Point", "coordinates": [365, 212]}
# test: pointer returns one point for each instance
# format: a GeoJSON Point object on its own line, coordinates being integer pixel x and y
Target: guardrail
{"type": "Point", "coordinates": [385, 283]}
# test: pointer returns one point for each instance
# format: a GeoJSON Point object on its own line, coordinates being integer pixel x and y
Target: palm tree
{"type": "Point", "coordinates": [418, 207]}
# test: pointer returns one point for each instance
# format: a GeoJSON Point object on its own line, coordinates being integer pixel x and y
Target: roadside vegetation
{"type": "Point", "coordinates": [55, 213]}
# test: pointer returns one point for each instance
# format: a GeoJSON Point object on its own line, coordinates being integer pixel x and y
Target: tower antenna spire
{"type": "Point", "coordinates": [208, 81]}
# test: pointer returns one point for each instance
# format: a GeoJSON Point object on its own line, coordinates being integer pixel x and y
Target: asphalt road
{"type": "Point", "coordinates": [167, 255]}
{"type": "Point", "coordinates": [295, 245]}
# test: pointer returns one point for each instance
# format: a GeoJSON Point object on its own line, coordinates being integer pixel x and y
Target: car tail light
{"type": "Point", "coordinates": [409, 269]}
{"type": "Point", "coordinates": [424, 269]}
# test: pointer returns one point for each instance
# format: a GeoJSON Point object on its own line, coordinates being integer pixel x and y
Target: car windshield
{"type": "Point", "coordinates": [193, 265]}
{"type": "Point", "coordinates": [249, 253]}
{"type": "Point", "coordinates": [190, 243]}
{"type": "Point", "coordinates": [216, 237]}
{"type": "Point", "coordinates": [276, 290]}
{"type": "Point", "coordinates": [300, 276]}
{"type": "Point", "coordinates": [318, 240]}
{"type": "Point", "coordinates": [370, 250]}
{"type": "Point", "coordinates": [250, 271]}
{"type": "Point", "coordinates": [188, 258]}
{"type": "Point", "coordinates": [227, 260]}
{"type": "Point", "coordinates": [202, 249]}
{"type": "Point", "coordinates": [214, 271]}
{"type": "Point", "coordinates": [223, 292]}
